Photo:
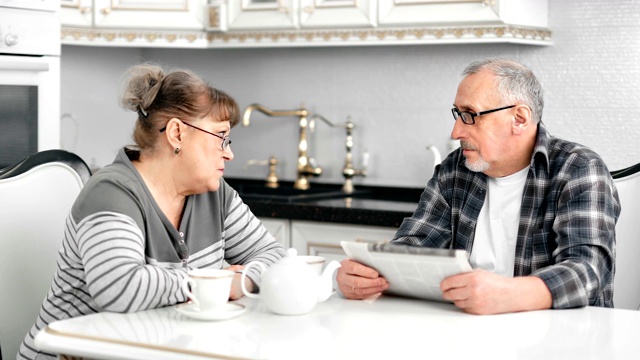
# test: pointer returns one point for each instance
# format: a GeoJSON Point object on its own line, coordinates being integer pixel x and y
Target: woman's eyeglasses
{"type": "Point", "coordinates": [226, 141]}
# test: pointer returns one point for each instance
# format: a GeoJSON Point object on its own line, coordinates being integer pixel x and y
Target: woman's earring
{"type": "Point", "coordinates": [176, 151]}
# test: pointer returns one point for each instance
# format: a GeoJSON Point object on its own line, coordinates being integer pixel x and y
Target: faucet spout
{"type": "Point", "coordinates": [304, 166]}
{"type": "Point", "coordinates": [251, 108]}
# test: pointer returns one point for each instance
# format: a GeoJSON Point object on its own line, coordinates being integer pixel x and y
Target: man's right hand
{"type": "Point", "coordinates": [357, 281]}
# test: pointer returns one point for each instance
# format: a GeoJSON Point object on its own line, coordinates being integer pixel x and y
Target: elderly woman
{"type": "Point", "coordinates": [160, 209]}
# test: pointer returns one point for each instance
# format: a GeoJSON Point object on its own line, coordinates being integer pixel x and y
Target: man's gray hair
{"type": "Point", "coordinates": [516, 83]}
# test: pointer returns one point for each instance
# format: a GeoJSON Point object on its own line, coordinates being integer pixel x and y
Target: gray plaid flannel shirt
{"type": "Point", "coordinates": [566, 234]}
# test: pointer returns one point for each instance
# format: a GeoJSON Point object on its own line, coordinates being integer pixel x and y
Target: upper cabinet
{"type": "Point", "coordinates": [281, 23]}
{"type": "Point", "coordinates": [259, 15]}
{"type": "Point", "coordinates": [317, 14]}
{"type": "Point", "coordinates": [149, 14]}
{"type": "Point", "coordinates": [157, 23]}
{"type": "Point", "coordinates": [77, 13]}
{"type": "Point", "coordinates": [530, 13]}
{"type": "Point", "coordinates": [298, 14]}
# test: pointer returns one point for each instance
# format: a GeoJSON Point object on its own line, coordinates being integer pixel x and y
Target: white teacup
{"type": "Point", "coordinates": [316, 262]}
{"type": "Point", "coordinates": [210, 288]}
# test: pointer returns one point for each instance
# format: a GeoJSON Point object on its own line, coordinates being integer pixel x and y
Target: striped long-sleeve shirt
{"type": "Point", "coordinates": [566, 232]}
{"type": "Point", "coordinates": [120, 253]}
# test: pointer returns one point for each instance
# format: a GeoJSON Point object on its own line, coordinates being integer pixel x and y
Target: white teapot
{"type": "Point", "coordinates": [291, 286]}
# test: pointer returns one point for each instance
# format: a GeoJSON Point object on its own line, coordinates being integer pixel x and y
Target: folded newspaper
{"type": "Point", "coordinates": [411, 271]}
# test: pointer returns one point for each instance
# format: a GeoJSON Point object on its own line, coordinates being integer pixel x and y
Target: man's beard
{"type": "Point", "coordinates": [480, 165]}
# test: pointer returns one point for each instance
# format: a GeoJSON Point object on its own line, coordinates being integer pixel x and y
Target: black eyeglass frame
{"type": "Point", "coordinates": [459, 114]}
{"type": "Point", "coordinates": [226, 141]}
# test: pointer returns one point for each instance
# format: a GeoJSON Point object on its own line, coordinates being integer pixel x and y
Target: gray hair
{"type": "Point", "coordinates": [516, 83]}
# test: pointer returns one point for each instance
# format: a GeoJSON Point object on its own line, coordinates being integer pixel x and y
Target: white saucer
{"type": "Point", "coordinates": [228, 311]}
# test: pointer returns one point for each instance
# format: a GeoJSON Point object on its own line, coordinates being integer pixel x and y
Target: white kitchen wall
{"type": "Point", "coordinates": [398, 96]}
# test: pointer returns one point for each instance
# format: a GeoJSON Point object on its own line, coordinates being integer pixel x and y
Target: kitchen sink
{"type": "Point", "coordinates": [250, 190]}
{"type": "Point", "coordinates": [255, 190]}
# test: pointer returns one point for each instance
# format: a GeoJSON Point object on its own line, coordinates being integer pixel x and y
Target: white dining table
{"type": "Point", "coordinates": [383, 327]}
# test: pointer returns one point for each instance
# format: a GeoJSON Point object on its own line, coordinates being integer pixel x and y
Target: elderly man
{"type": "Point", "coordinates": [535, 213]}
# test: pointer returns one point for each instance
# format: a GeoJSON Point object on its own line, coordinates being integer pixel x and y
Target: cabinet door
{"type": "Point", "coordinates": [263, 14]}
{"type": "Point", "coordinates": [337, 13]}
{"type": "Point", "coordinates": [432, 12]}
{"type": "Point", "coordinates": [150, 14]}
{"type": "Point", "coordinates": [313, 238]}
{"type": "Point", "coordinates": [76, 13]}
{"type": "Point", "coordinates": [279, 228]}
{"type": "Point", "coordinates": [463, 12]}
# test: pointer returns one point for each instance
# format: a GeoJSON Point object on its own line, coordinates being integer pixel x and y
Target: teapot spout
{"type": "Point", "coordinates": [325, 283]}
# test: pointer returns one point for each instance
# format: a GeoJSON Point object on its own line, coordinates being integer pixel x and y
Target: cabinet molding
{"type": "Point", "coordinates": [136, 38]}
{"type": "Point", "coordinates": [334, 37]}
{"type": "Point", "coordinates": [382, 36]}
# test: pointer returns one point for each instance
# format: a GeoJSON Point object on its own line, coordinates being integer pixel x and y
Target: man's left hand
{"type": "Point", "coordinates": [482, 292]}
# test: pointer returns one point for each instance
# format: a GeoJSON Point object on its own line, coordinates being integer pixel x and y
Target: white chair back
{"type": "Point", "coordinates": [626, 287]}
{"type": "Point", "coordinates": [35, 199]}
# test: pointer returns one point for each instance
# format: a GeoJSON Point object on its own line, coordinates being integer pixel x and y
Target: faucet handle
{"type": "Point", "coordinates": [365, 160]}
{"type": "Point", "coordinates": [272, 178]}
{"type": "Point", "coordinates": [437, 158]}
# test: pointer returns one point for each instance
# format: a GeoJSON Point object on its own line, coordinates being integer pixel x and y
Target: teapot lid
{"type": "Point", "coordinates": [292, 258]}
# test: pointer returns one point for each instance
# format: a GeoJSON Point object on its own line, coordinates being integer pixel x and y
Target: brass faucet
{"type": "Point", "coordinates": [348, 170]}
{"type": "Point", "coordinates": [304, 167]}
{"type": "Point", "coordinates": [272, 178]}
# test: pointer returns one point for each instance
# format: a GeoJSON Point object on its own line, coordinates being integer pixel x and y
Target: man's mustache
{"type": "Point", "coordinates": [466, 146]}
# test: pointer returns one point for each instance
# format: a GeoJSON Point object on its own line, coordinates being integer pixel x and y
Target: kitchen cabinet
{"type": "Point", "coordinates": [299, 14]}
{"type": "Point", "coordinates": [262, 15]}
{"type": "Point", "coordinates": [267, 23]}
{"type": "Point", "coordinates": [323, 239]}
{"type": "Point", "coordinates": [531, 13]}
{"type": "Point", "coordinates": [286, 23]}
{"type": "Point", "coordinates": [76, 13]}
{"type": "Point", "coordinates": [317, 14]}
{"type": "Point", "coordinates": [279, 228]}
{"type": "Point", "coordinates": [157, 23]}
{"type": "Point", "coordinates": [147, 14]}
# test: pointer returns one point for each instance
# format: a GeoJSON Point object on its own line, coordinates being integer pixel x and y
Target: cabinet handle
{"type": "Point", "coordinates": [489, 2]}
{"type": "Point", "coordinates": [106, 11]}
{"type": "Point", "coordinates": [309, 9]}
{"type": "Point", "coordinates": [85, 10]}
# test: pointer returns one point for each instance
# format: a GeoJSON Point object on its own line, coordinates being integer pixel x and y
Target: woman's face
{"type": "Point", "coordinates": [203, 154]}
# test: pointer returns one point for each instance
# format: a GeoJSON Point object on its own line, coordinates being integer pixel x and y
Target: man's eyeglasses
{"type": "Point", "coordinates": [469, 117]}
{"type": "Point", "coordinates": [226, 141]}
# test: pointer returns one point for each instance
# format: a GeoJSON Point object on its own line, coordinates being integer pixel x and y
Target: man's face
{"type": "Point", "coordinates": [484, 144]}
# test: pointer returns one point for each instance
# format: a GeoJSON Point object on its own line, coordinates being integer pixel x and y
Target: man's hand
{"type": "Point", "coordinates": [357, 281]}
{"type": "Point", "coordinates": [483, 292]}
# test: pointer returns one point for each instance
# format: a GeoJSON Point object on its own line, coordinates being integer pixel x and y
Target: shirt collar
{"type": "Point", "coordinates": [541, 150]}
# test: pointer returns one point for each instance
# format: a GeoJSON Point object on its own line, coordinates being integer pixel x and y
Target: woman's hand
{"type": "Point", "coordinates": [236, 290]}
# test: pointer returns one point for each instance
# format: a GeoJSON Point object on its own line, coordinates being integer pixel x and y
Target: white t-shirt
{"type": "Point", "coordinates": [494, 245]}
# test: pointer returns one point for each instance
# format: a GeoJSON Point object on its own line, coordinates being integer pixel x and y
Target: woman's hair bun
{"type": "Point", "coordinates": [141, 87]}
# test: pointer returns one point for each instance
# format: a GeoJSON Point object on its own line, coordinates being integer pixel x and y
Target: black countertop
{"type": "Point", "coordinates": [368, 205]}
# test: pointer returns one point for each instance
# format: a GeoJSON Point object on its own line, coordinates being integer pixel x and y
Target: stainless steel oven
{"type": "Point", "coordinates": [29, 78]}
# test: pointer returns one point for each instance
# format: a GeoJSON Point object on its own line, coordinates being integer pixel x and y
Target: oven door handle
{"type": "Point", "coordinates": [27, 66]}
